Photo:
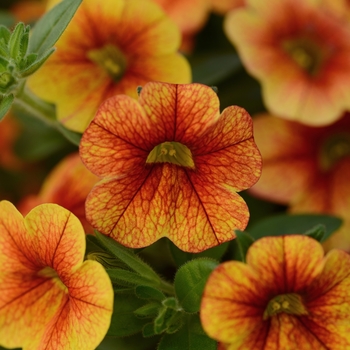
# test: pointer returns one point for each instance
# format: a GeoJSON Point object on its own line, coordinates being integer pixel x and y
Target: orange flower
{"type": "Point", "coordinates": [110, 47]}
{"type": "Point", "coordinates": [301, 55]}
{"type": "Point", "coordinates": [189, 15]}
{"type": "Point", "coordinates": [28, 10]}
{"type": "Point", "coordinates": [288, 296]}
{"type": "Point", "coordinates": [224, 6]}
{"type": "Point", "coordinates": [171, 167]}
{"type": "Point", "coordinates": [49, 297]}
{"type": "Point", "coordinates": [306, 168]}
{"type": "Point", "coordinates": [68, 185]}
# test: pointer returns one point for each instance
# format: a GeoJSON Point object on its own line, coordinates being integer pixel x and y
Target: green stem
{"type": "Point", "coordinates": [35, 106]}
{"type": "Point", "coordinates": [166, 287]}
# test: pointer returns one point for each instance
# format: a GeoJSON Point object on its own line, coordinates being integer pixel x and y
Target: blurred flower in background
{"type": "Point", "coordinates": [306, 168]}
{"type": "Point", "coordinates": [299, 52]}
{"type": "Point", "coordinates": [137, 43]}
{"type": "Point", "coordinates": [68, 185]}
{"type": "Point", "coordinates": [287, 296]}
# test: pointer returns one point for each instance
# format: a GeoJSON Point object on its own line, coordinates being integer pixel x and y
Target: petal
{"type": "Point", "coordinates": [278, 262]}
{"type": "Point", "coordinates": [117, 139]}
{"type": "Point", "coordinates": [233, 304]}
{"type": "Point", "coordinates": [179, 113]}
{"type": "Point", "coordinates": [65, 249]}
{"type": "Point", "coordinates": [163, 200]}
{"type": "Point", "coordinates": [83, 321]}
{"type": "Point", "coordinates": [27, 303]}
{"type": "Point", "coordinates": [328, 300]}
{"type": "Point", "coordinates": [227, 153]}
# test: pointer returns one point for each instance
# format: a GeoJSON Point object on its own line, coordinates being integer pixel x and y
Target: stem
{"type": "Point", "coordinates": [166, 287]}
{"type": "Point", "coordinates": [38, 108]}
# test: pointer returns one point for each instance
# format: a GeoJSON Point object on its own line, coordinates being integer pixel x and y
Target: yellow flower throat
{"type": "Point", "coordinates": [111, 59]}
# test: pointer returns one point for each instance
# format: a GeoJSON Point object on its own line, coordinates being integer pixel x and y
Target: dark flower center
{"type": "Point", "coordinates": [111, 59]}
{"type": "Point", "coordinates": [288, 303]}
{"type": "Point", "coordinates": [171, 152]}
{"type": "Point", "coordinates": [334, 149]}
{"type": "Point", "coordinates": [307, 54]}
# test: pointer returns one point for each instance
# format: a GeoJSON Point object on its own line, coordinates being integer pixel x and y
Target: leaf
{"type": "Point", "coordinates": [51, 26]}
{"type": "Point", "coordinates": [5, 33]}
{"type": "Point", "coordinates": [128, 278]}
{"type": "Point", "coordinates": [14, 43]}
{"type": "Point", "coordinates": [214, 68]}
{"type": "Point", "coordinates": [190, 280]}
{"type": "Point", "coordinates": [190, 336]}
{"type": "Point", "coordinates": [148, 310]}
{"type": "Point", "coordinates": [146, 292]}
{"type": "Point", "coordinates": [286, 224]}
{"type": "Point", "coordinates": [317, 232]}
{"type": "Point", "coordinates": [241, 245]}
{"type": "Point", "coordinates": [124, 322]}
{"type": "Point", "coordinates": [128, 257]}
{"type": "Point", "coordinates": [5, 105]}
{"type": "Point", "coordinates": [33, 67]}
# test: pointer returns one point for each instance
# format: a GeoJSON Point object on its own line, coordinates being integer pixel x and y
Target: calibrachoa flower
{"type": "Point", "coordinates": [110, 47]}
{"type": "Point", "coordinates": [49, 297]}
{"type": "Point", "coordinates": [288, 296]}
{"type": "Point", "coordinates": [171, 167]}
{"type": "Point", "coordinates": [68, 185]}
{"type": "Point", "coordinates": [301, 55]}
{"type": "Point", "coordinates": [224, 6]}
{"type": "Point", "coordinates": [189, 15]}
{"type": "Point", "coordinates": [306, 168]}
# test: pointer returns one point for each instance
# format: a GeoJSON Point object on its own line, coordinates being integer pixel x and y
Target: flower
{"type": "Point", "coordinates": [299, 52]}
{"type": "Point", "coordinates": [49, 297]}
{"type": "Point", "coordinates": [224, 6]}
{"type": "Point", "coordinates": [137, 43]}
{"type": "Point", "coordinates": [306, 168]}
{"type": "Point", "coordinates": [68, 185]}
{"type": "Point", "coordinates": [28, 10]}
{"type": "Point", "coordinates": [171, 167]}
{"type": "Point", "coordinates": [288, 296]}
{"type": "Point", "coordinates": [189, 15]}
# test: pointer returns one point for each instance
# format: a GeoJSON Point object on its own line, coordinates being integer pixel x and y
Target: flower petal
{"type": "Point", "coordinates": [227, 153]}
{"type": "Point", "coordinates": [163, 200]}
{"type": "Point", "coordinates": [233, 304]}
{"type": "Point", "coordinates": [82, 321]}
{"type": "Point", "coordinates": [278, 262]}
{"type": "Point", "coordinates": [181, 112]}
{"type": "Point", "coordinates": [65, 249]}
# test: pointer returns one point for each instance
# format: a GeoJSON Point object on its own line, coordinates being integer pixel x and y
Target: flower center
{"type": "Point", "coordinates": [171, 152]}
{"type": "Point", "coordinates": [334, 149]}
{"type": "Point", "coordinates": [306, 54]}
{"type": "Point", "coordinates": [287, 303]}
{"type": "Point", "coordinates": [111, 59]}
{"type": "Point", "coordinates": [49, 273]}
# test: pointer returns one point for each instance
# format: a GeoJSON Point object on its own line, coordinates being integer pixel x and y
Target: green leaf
{"type": "Point", "coordinates": [160, 322]}
{"type": "Point", "coordinates": [190, 280]}
{"type": "Point", "coordinates": [317, 232]}
{"type": "Point", "coordinates": [14, 43]}
{"type": "Point", "coordinates": [148, 330]}
{"type": "Point", "coordinates": [124, 321]}
{"type": "Point", "coordinates": [51, 26]}
{"type": "Point", "coordinates": [128, 257]}
{"type": "Point", "coordinates": [146, 292]}
{"type": "Point", "coordinates": [148, 310]}
{"type": "Point", "coordinates": [171, 303]}
{"type": "Point", "coordinates": [212, 69]}
{"type": "Point", "coordinates": [24, 42]}
{"type": "Point", "coordinates": [190, 336]}
{"type": "Point", "coordinates": [180, 257]}
{"type": "Point", "coordinates": [241, 245]}
{"type": "Point", "coordinates": [286, 224]}
{"type": "Point", "coordinates": [5, 33]}
{"type": "Point", "coordinates": [33, 67]}
{"type": "Point", "coordinates": [5, 105]}
{"type": "Point", "coordinates": [125, 277]}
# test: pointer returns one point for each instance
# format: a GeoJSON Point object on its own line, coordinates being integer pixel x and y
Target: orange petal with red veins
{"type": "Point", "coordinates": [233, 304]}
{"type": "Point", "coordinates": [279, 264]}
{"type": "Point", "coordinates": [83, 320]}
{"type": "Point", "coordinates": [163, 200]}
{"type": "Point", "coordinates": [227, 153]}
{"type": "Point", "coordinates": [181, 112]}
